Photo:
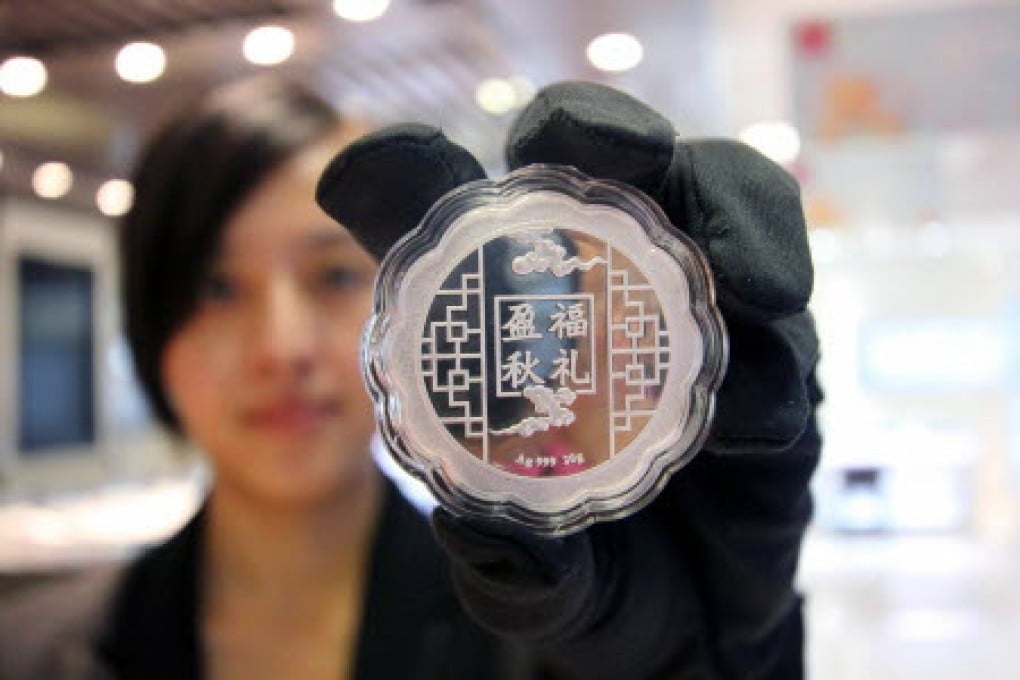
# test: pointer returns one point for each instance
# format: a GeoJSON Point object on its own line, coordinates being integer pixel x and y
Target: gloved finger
{"type": "Point", "coordinates": [745, 213]}
{"type": "Point", "coordinates": [507, 553]}
{"type": "Point", "coordinates": [616, 586]}
{"type": "Point", "coordinates": [601, 131]}
{"type": "Point", "coordinates": [740, 208]}
{"type": "Point", "coordinates": [381, 186]}
{"type": "Point", "coordinates": [765, 401]}
{"type": "Point", "coordinates": [745, 517]}
{"type": "Point", "coordinates": [515, 582]}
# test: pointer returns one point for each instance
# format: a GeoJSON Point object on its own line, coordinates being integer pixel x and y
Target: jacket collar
{"type": "Point", "coordinates": [152, 631]}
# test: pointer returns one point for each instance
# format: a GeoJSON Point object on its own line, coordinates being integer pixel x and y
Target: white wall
{"type": "Point", "coordinates": [752, 58]}
{"type": "Point", "coordinates": [880, 267]}
{"type": "Point", "coordinates": [124, 449]}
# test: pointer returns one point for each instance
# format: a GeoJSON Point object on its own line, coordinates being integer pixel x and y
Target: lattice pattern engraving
{"type": "Point", "coordinates": [507, 370]}
{"type": "Point", "coordinates": [452, 350]}
{"type": "Point", "coordinates": [639, 353]}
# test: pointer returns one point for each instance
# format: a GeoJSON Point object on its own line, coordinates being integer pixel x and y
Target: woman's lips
{"type": "Point", "coordinates": [292, 414]}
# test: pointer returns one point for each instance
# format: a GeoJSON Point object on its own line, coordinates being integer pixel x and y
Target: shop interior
{"type": "Point", "coordinates": [899, 118]}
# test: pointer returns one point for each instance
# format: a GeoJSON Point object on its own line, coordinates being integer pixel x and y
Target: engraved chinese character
{"type": "Point", "coordinates": [569, 322]}
{"type": "Point", "coordinates": [519, 371]}
{"type": "Point", "coordinates": [566, 369]}
{"type": "Point", "coordinates": [521, 325]}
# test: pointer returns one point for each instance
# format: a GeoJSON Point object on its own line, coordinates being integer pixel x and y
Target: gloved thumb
{"type": "Point", "coordinates": [381, 186]}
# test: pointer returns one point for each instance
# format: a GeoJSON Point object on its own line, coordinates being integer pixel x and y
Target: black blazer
{"type": "Point", "coordinates": [141, 620]}
{"type": "Point", "coordinates": [702, 588]}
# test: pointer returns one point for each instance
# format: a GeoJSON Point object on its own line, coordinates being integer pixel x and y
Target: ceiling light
{"type": "Point", "coordinates": [22, 76]}
{"type": "Point", "coordinates": [114, 197]}
{"type": "Point", "coordinates": [268, 45]}
{"type": "Point", "coordinates": [496, 95]}
{"type": "Point", "coordinates": [615, 52]}
{"type": "Point", "coordinates": [360, 10]}
{"type": "Point", "coordinates": [524, 89]}
{"type": "Point", "coordinates": [140, 62]}
{"type": "Point", "coordinates": [778, 140]}
{"type": "Point", "coordinates": [52, 180]}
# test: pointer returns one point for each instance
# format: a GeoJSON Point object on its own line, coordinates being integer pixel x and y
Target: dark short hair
{"type": "Point", "coordinates": [191, 176]}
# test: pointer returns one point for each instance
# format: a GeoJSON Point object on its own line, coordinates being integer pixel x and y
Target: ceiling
{"type": "Point", "coordinates": [421, 61]}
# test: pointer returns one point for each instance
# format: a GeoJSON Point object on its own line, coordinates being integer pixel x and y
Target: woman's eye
{"type": "Point", "coordinates": [218, 288]}
{"type": "Point", "coordinates": [340, 277]}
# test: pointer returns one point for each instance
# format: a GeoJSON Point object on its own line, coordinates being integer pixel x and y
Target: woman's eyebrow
{"type": "Point", "coordinates": [332, 238]}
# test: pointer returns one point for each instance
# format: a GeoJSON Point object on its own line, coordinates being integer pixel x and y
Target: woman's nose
{"type": "Point", "coordinates": [284, 338]}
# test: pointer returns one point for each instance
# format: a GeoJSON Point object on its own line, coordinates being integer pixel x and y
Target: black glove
{"type": "Point", "coordinates": [654, 591]}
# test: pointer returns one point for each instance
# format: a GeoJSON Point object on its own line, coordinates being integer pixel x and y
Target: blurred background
{"type": "Point", "coordinates": [901, 119]}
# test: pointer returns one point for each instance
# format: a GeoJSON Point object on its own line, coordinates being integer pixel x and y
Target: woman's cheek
{"type": "Point", "coordinates": [349, 314]}
{"type": "Point", "coordinates": [192, 383]}
{"type": "Point", "coordinates": [346, 347]}
{"type": "Point", "coordinates": [201, 359]}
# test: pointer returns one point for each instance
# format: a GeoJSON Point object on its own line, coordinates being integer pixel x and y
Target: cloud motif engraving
{"type": "Point", "coordinates": [549, 256]}
{"type": "Point", "coordinates": [551, 407]}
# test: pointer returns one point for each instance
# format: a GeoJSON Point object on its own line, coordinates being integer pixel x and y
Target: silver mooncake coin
{"type": "Point", "coordinates": [544, 348]}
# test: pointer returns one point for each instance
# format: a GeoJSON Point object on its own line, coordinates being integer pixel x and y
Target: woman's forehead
{"type": "Point", "coordinates": [283, 240]}
{"type": "Point", "coordinates": [281, 215]}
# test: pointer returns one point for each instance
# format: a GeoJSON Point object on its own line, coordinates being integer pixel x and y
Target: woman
{"type": "Point", "coordinates": [244, 304]}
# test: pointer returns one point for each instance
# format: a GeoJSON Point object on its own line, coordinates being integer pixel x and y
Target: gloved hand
{"type": "Point", "coordinates": [701, 581]}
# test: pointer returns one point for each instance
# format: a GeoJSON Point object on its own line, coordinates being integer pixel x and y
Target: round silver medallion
{"type": "Point", "coordinates": [545, 348]}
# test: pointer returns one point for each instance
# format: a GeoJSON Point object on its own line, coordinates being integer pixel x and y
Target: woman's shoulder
{"type": "Point", "coordinates": [52, 630]}
{"type": "Point", "coordinates": [103, 617]}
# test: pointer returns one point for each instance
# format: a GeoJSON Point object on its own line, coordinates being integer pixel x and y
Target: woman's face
{"type": "Point", "coordinates": [264, 375]}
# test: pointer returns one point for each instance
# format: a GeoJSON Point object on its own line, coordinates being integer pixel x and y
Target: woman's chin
{"type": "Point", "coordinates": [304, 472]}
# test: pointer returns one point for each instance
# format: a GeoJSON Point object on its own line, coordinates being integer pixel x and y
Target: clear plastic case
{"type": "Point", "coordinates": [545, 348]}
